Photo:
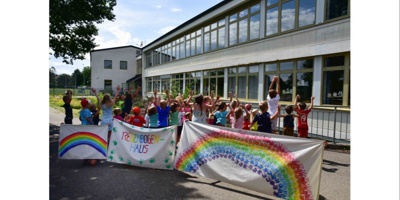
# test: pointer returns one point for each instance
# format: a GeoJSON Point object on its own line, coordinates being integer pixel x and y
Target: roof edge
{"type": "Point", "coordinates": [120, 47]}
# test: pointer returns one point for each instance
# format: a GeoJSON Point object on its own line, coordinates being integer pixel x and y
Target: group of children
{"type": "Point", "coordinates": [206, 110]}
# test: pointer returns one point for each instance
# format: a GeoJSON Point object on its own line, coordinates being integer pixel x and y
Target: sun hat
{"type": "Point", "coordinates": [84, 102]}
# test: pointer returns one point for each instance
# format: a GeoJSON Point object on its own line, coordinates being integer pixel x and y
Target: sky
{"type": "Point", "coordinates": [136, 22]}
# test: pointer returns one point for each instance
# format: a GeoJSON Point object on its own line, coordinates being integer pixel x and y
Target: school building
{"type": "Point", "coordinates": [239, 45]}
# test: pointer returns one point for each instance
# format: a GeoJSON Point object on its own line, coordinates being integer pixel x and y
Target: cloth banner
{"type": "Point", "coordinates": [143, 147]}
{"type": "Point", "coordinates": [82, 142]}
{"type": "Point", "coordinates": [282, 166]}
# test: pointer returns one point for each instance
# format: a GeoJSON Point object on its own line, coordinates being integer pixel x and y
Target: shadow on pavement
{"type": "Point", "coordinates": [328, 162]}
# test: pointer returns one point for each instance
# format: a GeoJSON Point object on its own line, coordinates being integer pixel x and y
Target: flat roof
{"type": "Point", "coordinates": [128, 46]}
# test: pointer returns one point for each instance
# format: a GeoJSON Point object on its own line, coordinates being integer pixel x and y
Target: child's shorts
{"type": "Point", "coordinates": [273, 124]}
{"type": "Point", "coordinates": [288, 131]}
{"type": "Point", "coordinates": [303, 132]}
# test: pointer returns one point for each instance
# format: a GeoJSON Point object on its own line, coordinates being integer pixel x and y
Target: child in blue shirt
{"type": "Point", "coordinates": [220, 114]}
{"type": "Point", "coordinates": [163, 110]}
{"type": "Point", "coordinates": [85, 115]}
{"type": "Point", "coordinates": [263, 119]}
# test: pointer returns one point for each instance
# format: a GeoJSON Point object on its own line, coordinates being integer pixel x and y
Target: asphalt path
{"type": "Point", "coordinates": [72, 179]}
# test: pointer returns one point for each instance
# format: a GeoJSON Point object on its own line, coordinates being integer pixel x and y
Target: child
{"type": "Point", "coordinates": [117, 113]}
{"type": "Point", "coordinates": [153, 117]}
{"type": "Point", "coordinates": [85, 115]}
{"type": "Point", "coordinates": [220, 114]}
{"type": "Point", "coordinates": [128, 102]}
{"type": "Point", "coordinates": [302, 126]}
{"type": "Point", "coordinates": [95, 113]}
{"type": "Point", "coordinates": [188, 116]}
{"type": "Point", "coordinates": [185, 109]}
{"type": "Point", "coordinates": [273, 100]}
{"type": "Point", "coordinates": [174, 114]}
{"type": "Point", "coordinates": [264, 119]}
{"type": "Point", "coordinates": [235, 103]}
{"type": "Point", "coordinates": [246, 120]}
{"type": "Point", "coordinates": [236, 117]}
{"type": "Point", "coordinates": [199, 108]}
{"type": "Point", "coordinates": [253, 127]}
{"type": "Point", "coordinates": [288, 119]}
{"type": "Point", "coordinates": [136, 119]}
{"type": "Point", "coordinates": [163, 110]}
{"type": "Point", "coordinates": [107, 105]}
{"type": "Point", "coordinates": [68, 109]}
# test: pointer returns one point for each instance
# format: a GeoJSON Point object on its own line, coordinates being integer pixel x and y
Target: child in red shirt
{"type": "Point", "coordinates": [302, 125]}
{"type": "Point", "coordinates": [136, 119]}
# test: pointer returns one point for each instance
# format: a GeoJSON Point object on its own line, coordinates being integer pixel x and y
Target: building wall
{"type": "Point", "coordinates": [117, 75]}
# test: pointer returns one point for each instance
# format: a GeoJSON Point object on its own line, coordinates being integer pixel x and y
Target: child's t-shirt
{"type": "Point", "coordinates": [137, 120]}
{"type": "Point", "coordinates": [118, 117]}
{"type": "Point", "coordinates": [263, 122]}
{"type": "Point", "coordinates": [174, 121]}
{"type": "Point", "coordinates": [239, 122]}
{"type": "Point", "coordinates": [221, 117]}
{"type": "Point", "coordinates": [68, 111]}
{"type": "Point", "coordinates": [302, 121]}
{"type": "Point", "coordinates": [83, 114]}
{"type": "Point", "coordinates": [288, 121]}
{"type": "Point", "coordinates": [163, 116]}
{"type": "Point", "coordinates": [273, 104]}
{"type": "Point", "coordinates": [153, 120]}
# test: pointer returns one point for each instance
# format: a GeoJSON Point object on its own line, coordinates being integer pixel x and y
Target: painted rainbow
{"type": "Point", "coordinates": [83, 138]}
{"type": "Point", "coordinates": [265, 157]}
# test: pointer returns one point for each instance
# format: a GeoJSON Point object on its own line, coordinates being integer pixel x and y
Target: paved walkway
{"type": "Point", "coordinates": [70, 179]}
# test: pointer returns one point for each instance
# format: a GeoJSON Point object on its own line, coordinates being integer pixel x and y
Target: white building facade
{"type": "Point", "coordinates": [113, 66]}
{"type": "Point", "coordinates": [238, 46]}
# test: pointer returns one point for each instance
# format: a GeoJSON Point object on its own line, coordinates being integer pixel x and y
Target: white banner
{"type": "Point", "coordinates": [143, 147]}
{"type": "Point", "coordinates": [82, 142]}
{"type": "Point", "coordinates": [282, 166]}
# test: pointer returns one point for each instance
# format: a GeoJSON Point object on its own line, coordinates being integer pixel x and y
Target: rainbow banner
{"type": "Point", "coordinates": [282, 166]}
{"type": "Point", "coordinates": [83, 142]}
{"type": "Point", "coordinates": [143, 147]}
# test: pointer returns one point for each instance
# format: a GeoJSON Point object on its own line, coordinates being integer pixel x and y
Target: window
{"type": "Point", "coordinates": [149, 62]}
{"type": "Point", "coordinates": [177, 83]}
{"type": "Point", "coordinates": [107, 84]}
{"type": "Point", "coordinates": [149, 85]}
{"type": "Point", "coordinates": [123, 64]}
{"type": "Point", "coordinates": [192, 80]}
{"type": "Point", "coordinates": [139, 66]}
{"type": "Point", "coordinates": [156, 83]}
{"type": "Point", "coordinates": [107, 64]}
{"type": "Point", "coordinates": [214, 36]}
{"type": "Point", "coordinates": [165, 82]}
{"type": "Point", "coordinates": [247, 82]}
{"type": "Point", "coordinates": [336, 8]}
{"type": "Point", "coordinates": [213, 81]}
{"type": "Point", "coordinates": [244, 25]}
{"type": "Point", "coordinates": [283, 15]}
{"type": "Point", "coordinates": [295, 77]}
{"type": "Point", "coordinates": [336, 80]}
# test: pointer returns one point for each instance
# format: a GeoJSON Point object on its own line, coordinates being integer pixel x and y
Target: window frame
{"type": "Point", "coordinates": [120, 62]}
{"type": "Point", "coordinates": [105, 64]}
{"type": "Point", "coordinates": [209, 77]}
{"type": "Point", "coordinates": [105, 80]}
{"type": "Point", "coordinates": [336, 18]}
{"type": "Point", "coordinates": [247, 74]}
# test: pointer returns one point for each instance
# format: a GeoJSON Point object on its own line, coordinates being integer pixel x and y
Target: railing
{"type": "Point", "coordinates": [332, 125]}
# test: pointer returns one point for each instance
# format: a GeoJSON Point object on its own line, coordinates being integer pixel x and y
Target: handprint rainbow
{"type": "Point", "coordinates": [83, 138]}
{"type": "Point", "coordinates": [260, 154]}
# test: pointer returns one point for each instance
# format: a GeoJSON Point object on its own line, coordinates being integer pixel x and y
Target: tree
{"type": "Point", "coordinates": [86, 74]}
{"type": "Point", "coordinates": [64, 81]}
{"type": "Point", "coordinates": [77, 78]}
{"type": "Point", "coordinates": [52, 77]}
{"type": "Point", "coordinates": [72, 26]}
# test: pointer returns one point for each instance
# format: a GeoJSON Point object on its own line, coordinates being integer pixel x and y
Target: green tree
{"type": "Point", "coordinates": [86, 74]}
{"type": "Point", "coordinates": [52, 77]}
{"type": "Point", "coordinates": [77, 78]}
{"type": "Point", "coordinates": [64, 81]}
{"type": "Point", "coordinates": [72, 26]}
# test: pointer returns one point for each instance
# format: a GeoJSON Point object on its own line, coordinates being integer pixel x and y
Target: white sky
{"type": "Point", "coordinates": [138, 21]}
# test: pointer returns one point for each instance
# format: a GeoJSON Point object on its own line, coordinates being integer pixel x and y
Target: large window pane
{"type": "Point", "coordinates": [197, 85]}
{"type": "Point", "coordinates": [233, 17]}
{"type": "Point", "coordinates": [253, 87]}
{"type": "Point", "coordinates": [241, 87]}
{"type": "Point", "coordinates": [221, 37]}
{"type": "Point", "coordinates": [304, 86]}
{"type": "Point", "coordinates": [206, 87]}
{"type": "Point", "coordinates": [173, 53]}
{"type": "Point", "coordinates": [306, 12]}
{"type": "Point", "coordinates": [232, 34]}
{"type": "Point", "coordinates": [286, 84]}
{"type": "Point", "coordinates": [336, 8]}
{"type": "Point", "coordinates": [149, 87]}
{"type": "Point", "coordinates": [193, 47]}
{"type": "Point", "coordinates": [255, 27]}
{"type": "Point", "coordinates": [206, 42]}
{"type": "Point", "coordinates": [255, 8]}
{"type": "Point", "coordinates": [286, 66]}
{"type": "Point", "coordinates": [213, 85]}
{"type": "Point", "coordinates": [220, 87]}
{"type": "Point", "coordinates": [198, 45]}
{"type": "Point", "coordinates": [232, 85]}
{"type": "Point", "coordinates": [267, 82]}
{"type": "Point", "coordinates": [272, 21]}
{"type": "Point", "coordinates": [108, 64]}
{"type": "Point", "coordinates": [288, 15]}
{"type": "Point", "coordinates": [182, 50]}
{"type": "Point", "coordinates": [213, 40]}
{"type": "Point", "coordinates": [177, 51]}
{"type": "Point", "coordinates": [333, 87]}
{"type": "Point", "coordinates": [243, 13]}
{"type": "Point", "coordinates": [187, 48]}
{"type": "Point", "coordinates": [270, 67]}
{"type": "Point", "coordinates": [243, 30]}
{"type": "Point", "coordinates": [305, 64]}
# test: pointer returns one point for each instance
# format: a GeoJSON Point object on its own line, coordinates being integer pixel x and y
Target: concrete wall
{"type": "Point", "coordinates": [117, 75]}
